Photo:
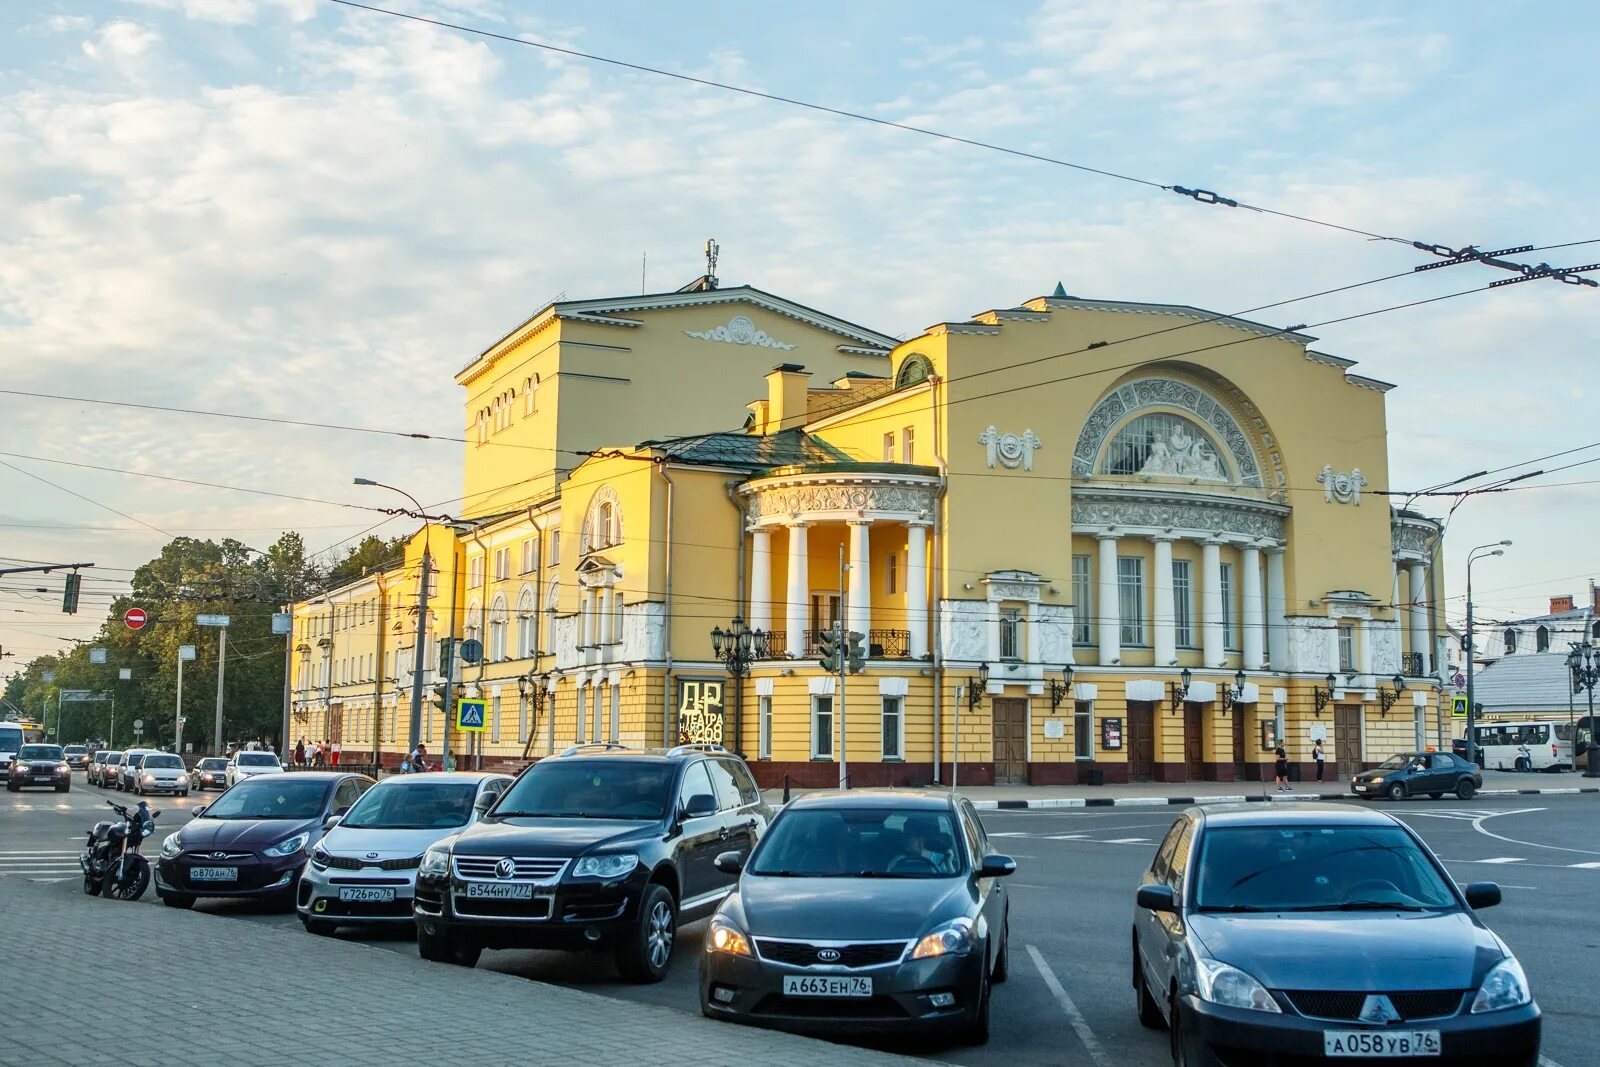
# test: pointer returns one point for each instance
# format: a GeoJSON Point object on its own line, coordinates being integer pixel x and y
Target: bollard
{"type": "Point", "coordinates": [786, 789]}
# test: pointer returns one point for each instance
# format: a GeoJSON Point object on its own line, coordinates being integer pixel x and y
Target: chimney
{"type": "Point", "coordinates": [1561, 603]}
{"type": "Point", "coordinates": [786, 396]}
{"type": "Point", "coordinates": [1594, 598]}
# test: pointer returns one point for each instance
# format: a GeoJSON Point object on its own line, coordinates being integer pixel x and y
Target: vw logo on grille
{"type": "Point", "coordinates": [828, 955]}
{"type": "Point", "coordinates": [505, 868]}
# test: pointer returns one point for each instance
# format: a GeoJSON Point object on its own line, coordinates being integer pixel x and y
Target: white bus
{"type": "Point", "coordinates": [1525, 745]}
{"type": "Point", "coordinates": [13, 735]}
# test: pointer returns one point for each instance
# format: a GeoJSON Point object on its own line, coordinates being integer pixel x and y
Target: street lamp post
{"type": "Point", "coordinates": [1472, 709]}
{"type": "Point", "coordinates": [422, 613]}
{"type": "Point", "coordinates": [736, 648]}
{"type": "Point", "coordinates": [1584, 663]}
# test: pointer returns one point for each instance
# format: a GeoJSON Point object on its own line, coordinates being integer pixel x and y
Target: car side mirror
{"type": "Point", "coordinates": [699, 806]}
{"type": "Point", "coordinates": [1157, 898]}
{"type": "Point", "coordinates": [997, 866]}
{"type": "Point", "coordinates": [485, 802]}
{"type": "Point", "coordinates": [331, 821]}
{"type": "Point", "coordinates": [730, 862]}
{"type": "Point", "coordinates": [197, 812]}
{"type": "Point", "coordinates": [1482, 895]}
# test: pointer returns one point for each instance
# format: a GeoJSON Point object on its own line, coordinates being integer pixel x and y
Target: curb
{"type": "Point", "coordinates": [1056, 803]}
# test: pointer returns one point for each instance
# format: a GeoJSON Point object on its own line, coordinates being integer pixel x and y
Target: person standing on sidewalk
{"type": "Point", "coordinates": [336, 750]}
{"type": "Point", "coordinates": [1280, 772]}
{"type": "Point", "coordinates": [300, 753]}
{"type": "Point", "coordinates": [1320, 756]}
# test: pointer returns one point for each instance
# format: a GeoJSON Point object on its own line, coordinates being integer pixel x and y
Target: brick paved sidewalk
{"type": "Point", "coordinates": [82, 973]}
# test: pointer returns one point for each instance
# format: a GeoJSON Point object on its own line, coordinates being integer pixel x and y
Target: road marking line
{"type": "Point", "coordinates": [1126, 841]}
{"type": "Point", "coordinates": [47, 880]}
{"type": "Point", "coordinates": [1546, 1061]}
{"type": "Point", "coordinates": [1503, 859]}
{"type": "Point", "coordinates": [1063, 837]}
{"type": "Point", "coordinates": [40, 852]}
{"type": "Point", "coordinates": [1584, 866]}
{"type": "Point", "coordinates": [1477, 824]}
{"type": "Point", "coordinates": [1012, 833]}
{"type": "Point", "coordinates": [1086, 1035]}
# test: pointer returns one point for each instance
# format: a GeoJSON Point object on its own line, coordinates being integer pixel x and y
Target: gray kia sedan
{"type": "Point", "coordinates": [862, 912]}
{"type": "Point", "coordinates": [1323, 933]}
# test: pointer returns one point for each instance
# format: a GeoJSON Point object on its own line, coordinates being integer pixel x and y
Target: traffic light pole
{"type": "Point", "coordinates": [841, 628]}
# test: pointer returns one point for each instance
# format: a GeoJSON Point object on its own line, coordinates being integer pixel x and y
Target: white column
{"type": "Point", "coordinates": [917, 589]}
{"type": "Point", "coordinates": [860, 588]}
{"type": "Point", "coordinates": [760, 579]}
{"type": "Point", "coordinates": [1277, 623]}
{"type": "Point", "coordinates": [799, 591]}
{"type": "Point", "coordinates": [1364, 646]}
{"type": "Point", "coordinates": [1419, 613]}
{"type": "Point", "coordinates": [1110, 602]}
{"type": "Point", "coordinates": [1164, 616]}
{"type": "Point", "coordinates": [1250, 601]}
{"type": "Point", "coordinates": [1211, 603]}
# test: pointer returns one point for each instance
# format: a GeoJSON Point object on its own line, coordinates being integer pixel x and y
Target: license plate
{"type": "Point", "coordinates": [500, 890]}
{"type": "Point", "coordinates": [800, 985]}
{"type": "Point", "coordinates": [367, 894]}
{"type": "Point", "coordinates": [213, 874]}
{"type": "Point", "coordinates": [1381, 1043]}
{"type": "Point", "coordinates": [41, 779]}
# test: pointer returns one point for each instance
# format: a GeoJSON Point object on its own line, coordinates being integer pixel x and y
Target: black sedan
{"type": "Point", "coordinates": [1412, 774]}
{"type": "Point", "coordinates": [253, 840]}
{"type": "Point", "coordinates": [1321, 933]}
{"type": "Point", "coordinates": [862, 912]}
{"type": "Point", "coordinates": [39, 767]}
{"type": "Point", "coordinates": [209, 773]}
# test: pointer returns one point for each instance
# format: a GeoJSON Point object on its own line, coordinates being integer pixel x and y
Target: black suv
{"type": "Point", "coordinates": [600, 847]}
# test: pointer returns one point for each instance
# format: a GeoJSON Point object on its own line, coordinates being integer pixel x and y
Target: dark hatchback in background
{"type": "Point", "coordinates": [253, 840]}
{"type": "Point", "coordinates": [599, 848]}
{"type": "Point", "coordinates": [863, 912]}
{"type": "Point", "coordinates": [1322, 934]}
{"type": "Point", "coordinates": [1410, 774]}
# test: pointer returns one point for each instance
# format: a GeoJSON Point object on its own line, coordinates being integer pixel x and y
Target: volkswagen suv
{"type": "Point", "coordinates": [602, 847]}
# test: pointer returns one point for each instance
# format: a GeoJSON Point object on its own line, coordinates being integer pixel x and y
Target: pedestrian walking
{"type": "Point", "coordinates": [1320, 756]}
{"type": "Point", "coordinates": [1280, 772]}
{"type": "Point", "coordinates": [336, 749]}
{"type": "Point", "coordinates": [300, 753]}
{"type": "Point", "coordinates": [418, 758]}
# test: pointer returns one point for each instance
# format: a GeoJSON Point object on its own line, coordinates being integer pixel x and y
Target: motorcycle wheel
{"type": "Point", "coordinates": [91, 884]}
{"type": "Point", "coordinates": [135, 880]}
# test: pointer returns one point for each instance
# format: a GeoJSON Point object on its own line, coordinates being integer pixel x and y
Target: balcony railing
{"type": "Point", "coordinates": [889, 644]}
{"type": "Point", "coordinates": [882, 644]}
{"type": "Point", "coordinates": [1413, 665]}
{"type": "Point", "coordinates": [771, 644]}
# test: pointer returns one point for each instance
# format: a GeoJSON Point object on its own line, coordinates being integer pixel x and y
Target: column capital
{"type": "Point", "coordinates": [925, 524]}
{"type": "Point", "coordinates": [796, 524]}
{"type": "Point", "coordinates": [1168, 537]}
{"type": "Point", "coordinates": [1108, 535]}
{"type": "Point", "coordinates": [1215, 539]}
{"type": "Point", "coordinates": [858, 522]}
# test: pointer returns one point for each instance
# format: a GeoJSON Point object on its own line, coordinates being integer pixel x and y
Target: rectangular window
{"type": "Point", "coordinates": [616, 714]}
{"type": "Point", "coordinates": [1082, 601]}
{"type": "Point", "coordinates": [530, 555]}
{"type": "Point", "coordinates": [522, 720]}
{"type": "Point", "coordinates": [764, 729]}
{"type": "Point", "coordinates": [1229, 631]}
{"type": "Point", "coordinates": [894, 727]}
{"type": "Point", "coordinates": [475, 572]}
{"type": "Point", "coordinates": [555, 546]}
{"type": "Point", "coordinates": [824, 610]}
{"type": "Point", "coordinates": [1010, 633]}
{"type": "Point", "coordinates": [577, 733]}
{"type": "Point", "coordinates": [595, 712]}
{"type": "Point", "coordinates": [1130, 596]}
{"type": "Point", "coordinates": [890, 577]}
{"type": "Point", "coordinates": [1347, 649]}
{"type": "Point", "coordinates": [908, 445]}
{"type": "Point", "coordinates": [1083, 729]}
{"type": "Point", "coordinates": [1182, 603]}
{"type": "Point", "coordinates": [502, 564]}
{"type": "Point", "coordinates": [821, 727]}
{"type": "Point", "coordinates": [888, 448]}
{"type": "Point", "coordinates": [494, 722]}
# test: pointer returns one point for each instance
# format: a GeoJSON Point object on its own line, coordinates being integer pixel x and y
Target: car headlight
{"type": "Point", "coordinates": [320, 858]}
{"type": "Point", "coordinates": [954, 938]}
{"type": "Point", "coordinates": [289, 846]}
{"type": "Point", "coordinates": [435, 861]}
{"type": "Point", "coordinates": [62, 768]}
{"type": "Point", "coordinates": [1503, 987]}
{"type": "Point", "coordinates": [1229, 986]}
{"type": "Point", "coordinates": [171, 847]}
{"type": "Point", "coordinates": [613, 865]}
{"type": "Point", "coordinates": [1376, 781]}
{"type": "Point", "coordinates": [726, 937]}
{"type": "Point", "coordinates": [150, 778]}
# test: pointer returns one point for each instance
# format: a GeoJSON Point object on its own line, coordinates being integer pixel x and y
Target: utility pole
{"type": "Point", "coordinates": [221, 623]}
{"type": "Point", "coordinates": [841, 627]}
{"type": "Point", "coordinates": [417, 664]}
{"type": "Point", "coordinates": [185, 652]}
{"type": "Point", "coordinates": [1472, 708]}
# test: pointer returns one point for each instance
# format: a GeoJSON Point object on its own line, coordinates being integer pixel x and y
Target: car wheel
{"type": "Point", "coordinates": [180, 901]}
{"type": "Point", "coordinates": [13, 788]}
{"type": "Point", "coordinates": [320, 927]}
{"type": "Point", "coordinates": [184, 794]}
{"type": "Point", "coordinates": [1187, 1048]}
{"type": "Point", "coordinates": [437, 946]}
{"type": "Point", "coordinates": [1149, 1012]}
{"type": "Point", "coordinates": [976, 1032]}
{"type": "Point", "coordinates": [1002, 961]}
{"type": "Point", "coordinates": [1465, 789]}
{"type": "Point", "coordinates": [1396, 791]}
{"type": "Point", "coordinates": [644, 951]}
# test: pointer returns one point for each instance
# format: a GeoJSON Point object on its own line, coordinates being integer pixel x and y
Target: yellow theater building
{"type": "Point", "coordinates": [1081, 541]}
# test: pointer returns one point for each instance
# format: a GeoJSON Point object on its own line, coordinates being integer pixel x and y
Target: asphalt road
{"type": "Point", "coordinates": [1068, 1000]}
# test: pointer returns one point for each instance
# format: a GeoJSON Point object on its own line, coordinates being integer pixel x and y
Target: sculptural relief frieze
{"type": "Point", "coordinates": [1217, 517]}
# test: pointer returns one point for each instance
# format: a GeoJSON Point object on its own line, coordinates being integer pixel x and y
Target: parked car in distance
{"type": "Point", "coordinates": [162, 772]}
{"type": "Point", "coordinates": [1410, 774]}
{"type": "Point", "coordinates": [77, 756]}
{"type": "Point", "coordinates": [602, 847]}
{"type": "Point", "coordinates": [364, 870]}
{"type": "Point", "coordinates": [1319, 933]}
{"type": "Point", "coordinates": [252, 840]}
{"type": "Point", "coordinates": [244, 764]}
{"type": "Point", "coordinates": [97, 766]}
{"type": "Point", "coordinates": [863, 912]}
{"type": "Point", "coordinates": [129, 767]}
{"type": "Point", "coordinates": [39, 767]}
{"type": "Point", "coordinates": [209, 773]}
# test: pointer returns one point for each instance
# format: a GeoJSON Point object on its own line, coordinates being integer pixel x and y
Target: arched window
{"type": "Point", "coordinates": [1511, 640]}
{"type": "Point", "coordinates": [914, 370]}
{"type": "Point", "coordinates": [474, 622]}
{"type": "Point", "coordinates": [1162, 443]}
{"type": "Point", "coordinates": [1541, 639]}
{"type": "Point", "coordinates": [483, 426]}
{"type": "Point", "coordinates": [602, 532]}
{"type": "Point", "coordinates": [1597, 631]}
{"type": "Point", "coordinates": [527, 625]}
{"type": "Point", "coordinates": [497, 630]}
{"type": "Point", "coordinates": [602, 525]}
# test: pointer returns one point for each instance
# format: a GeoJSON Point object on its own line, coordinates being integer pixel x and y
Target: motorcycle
{"type": "Point", "coordinates": [111, 861]}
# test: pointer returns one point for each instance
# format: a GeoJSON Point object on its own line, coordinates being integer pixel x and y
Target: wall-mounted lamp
{"type": "Point", "coordinates": [1178, 693]}
{"type": "Point", "coordinates": [1235, 694]}
{"type": "Point", "coordinates": [1060, 690]}
{"type": "Point", "coordinates": [1323, 696]}
{"type": "Point", "coordinates": [976, 687]}
{"type": "Point", "coordinates": [1388, 697]}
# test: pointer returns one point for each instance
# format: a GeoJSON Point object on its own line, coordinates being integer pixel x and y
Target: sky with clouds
{"type": "Point", "coordinates": [291, 208]}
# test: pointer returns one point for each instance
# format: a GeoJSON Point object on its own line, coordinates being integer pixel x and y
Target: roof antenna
{"type": "Point", "coordinates": [712, 249]}
{"type": "Point", "coordinates": [644, 262]}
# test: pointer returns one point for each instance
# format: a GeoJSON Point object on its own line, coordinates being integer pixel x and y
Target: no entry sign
{"type": "Point", "coordinates": [135, 618]}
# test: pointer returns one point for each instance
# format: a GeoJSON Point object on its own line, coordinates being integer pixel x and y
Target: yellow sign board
{"type": "Point", "coordinates": [700, 712]}
{"type": "Point", "coordinates": [470, 715]}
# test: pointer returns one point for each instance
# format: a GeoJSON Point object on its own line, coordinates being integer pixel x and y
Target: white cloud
{"type": "Point", "coordinates": [69, 23]}
{"type": "Point", "coordinates": [120, 40]}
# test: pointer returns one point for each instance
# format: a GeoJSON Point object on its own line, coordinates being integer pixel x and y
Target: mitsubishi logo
{"type": "Point", "coordinates": [828, 955]}
{"type": "Point", "coordinates": [1377, 1009]}
{"type": "Point", "coordinates": [505, 868]}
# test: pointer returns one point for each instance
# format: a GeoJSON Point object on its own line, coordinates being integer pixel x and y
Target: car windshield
{"type": "Point", "coordinates": [212, 764]}
{"type": "Point", "coordinates": [114, 758]}
{"type": "Point", "coordinates": [40, 752]}
{"type": "Point", "coordinates": [405, 805]}
{"type": "Point", "coordinates": [860, 843]}
{"type": "Point", "coordinates": [590, 789]}
{"type": "Point", "coordinates": [161, 761]}
{"type": "Point", "coordinates": [279, 796]}
{"type": "Point", "coordinates": [1394, 763]}
{"type": "Point", "coordinates": [257, 759]}
{"type": "Point", "coordinates": [1316, 868]}
{"type": "Point", "coordinates": [75, 750]}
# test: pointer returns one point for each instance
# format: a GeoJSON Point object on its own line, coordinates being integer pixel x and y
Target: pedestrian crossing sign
{"type": "Point", "coordinates": [470, 715]}
{"type": "Point", "coordinates": [1458, 706]}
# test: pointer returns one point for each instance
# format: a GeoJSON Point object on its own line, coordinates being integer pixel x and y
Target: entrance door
{"type": "Point", "coordinates": [1238, 743]}
{"type": "Point", "coordinates": [1141, 741]}
{"type": "Point", "coordinates": [1194, 757]}
{"type": "Point", "coordinates": [1010, 741]}
{"type": "Point", "coordinates": [336, 725]}
{"type": "Point", "coordinates": [1347, 739]}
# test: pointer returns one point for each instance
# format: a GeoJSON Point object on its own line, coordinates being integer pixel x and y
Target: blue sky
{"type": "Point", "coordinates": [292, 208]}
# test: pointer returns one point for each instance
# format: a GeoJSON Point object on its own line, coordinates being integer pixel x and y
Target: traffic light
{"type": "Point", "coordinates": [856, 658]}
{"type": "Point", "coordinates": [69, 597]}
{"type": "Point", "coordinates": [437, 697]}
{"type": "Point", "coordinates": [829, 640]}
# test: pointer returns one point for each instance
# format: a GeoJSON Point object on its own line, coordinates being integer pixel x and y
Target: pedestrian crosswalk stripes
{"type": "Point", "coordinates": [38, 862]}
